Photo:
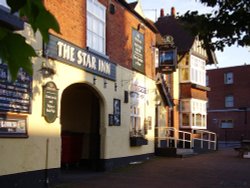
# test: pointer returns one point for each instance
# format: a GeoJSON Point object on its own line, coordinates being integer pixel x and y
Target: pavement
{"type": "Point", "coordinates": [220, 169]}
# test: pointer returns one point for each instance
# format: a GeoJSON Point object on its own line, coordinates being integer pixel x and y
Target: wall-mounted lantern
{"type": "Point", "coordinates": [46, 71]}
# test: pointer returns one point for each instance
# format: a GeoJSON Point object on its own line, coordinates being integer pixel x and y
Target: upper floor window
{"type": "Point", "coordinates": [229, 101]}
{"type": "Point", "coordinates": [194, 71]}
{"type": "Point", "coordinates": [96, 26]}
{"type": "Point", "coordinates": [228, 78]}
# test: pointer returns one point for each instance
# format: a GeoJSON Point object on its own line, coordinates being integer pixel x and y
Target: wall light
{"type": "Point", "coordinates": [94, 80]}
{"type": "Point", "coordinates": [115, 86]}
{"type": "Point", "coordinates": [105, 83]}
{"type": "Point", "coordinates": [46, 71]}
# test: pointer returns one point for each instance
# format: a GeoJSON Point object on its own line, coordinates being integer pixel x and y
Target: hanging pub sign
{"type": "Point", "coordinates": [84, 59]}
{"type": "Point", "coordinates": [167, 54]}
{"type": "Point", "coordinates": [50, 102]}
{"type": "Point", "coordinates": [15, 96]}
{"type": "Point", "coordinates": [168, 58]}
{"type": "Point", "coordinates": [138, 51]}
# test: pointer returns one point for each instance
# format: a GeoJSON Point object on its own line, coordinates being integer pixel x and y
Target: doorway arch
{"type": "Point", "coordinates": [80, 127]}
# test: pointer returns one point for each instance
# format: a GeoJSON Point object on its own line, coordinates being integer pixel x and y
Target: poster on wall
{"type": "Point", "coordinates": [50, 102]}
{"type": "Point", "coordinates": [13, 126]}
{"type": "Point", "coordinates": [138, 51]}
{"type": "Point", "coordinates": [117, 112]}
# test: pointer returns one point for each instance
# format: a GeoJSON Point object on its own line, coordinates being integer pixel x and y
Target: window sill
{"type": "Point", "coordinates": [91, 50]}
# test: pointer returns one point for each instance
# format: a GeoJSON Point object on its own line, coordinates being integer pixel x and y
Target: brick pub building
{"type": "Point", "coordinates": [229, 104]}
{"type": "Point", "coordinates": [91, 99]}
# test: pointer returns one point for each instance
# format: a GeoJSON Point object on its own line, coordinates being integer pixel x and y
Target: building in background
{"type": "Point", "coordinates": [185, 77]}
{"type": "Point", "coordinates": [229, 104]}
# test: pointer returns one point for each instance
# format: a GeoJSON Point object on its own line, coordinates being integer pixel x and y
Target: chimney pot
{"type": "Point", "coordinates": [162, 12]}
{"type": "Point", "coordinates": [173, 11]}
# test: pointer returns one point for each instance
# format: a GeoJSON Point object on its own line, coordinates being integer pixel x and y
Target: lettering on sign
{"type": "Point", "coordinates": [80, 58]}
{"type": "Point", "coordinates": [50, 102]}
{"type": "Point", "coordinates": [13, 126]}
{"type": "Point", "coordinates": [15, 96]}
{"type": "Point", "coordinates": [138, 51]}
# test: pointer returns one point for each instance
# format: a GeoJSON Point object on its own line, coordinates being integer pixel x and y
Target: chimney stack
{"type": "Point", "coordinates": [162, 13]}
{"type": "Point", "coordinates": [173, 11]}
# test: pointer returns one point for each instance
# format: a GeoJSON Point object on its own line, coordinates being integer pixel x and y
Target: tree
{"type": "Point", "coordinates": [228, 24]}
{"type": "Point", "coordinates": [13, 49]}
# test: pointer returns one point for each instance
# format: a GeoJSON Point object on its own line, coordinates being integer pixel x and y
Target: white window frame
{"type": "Point", "coordinates": [96, 26]}
{"type": "Point", "coordinates": [135, 118]}
{"type": "Point", "coordinates": [195, 71]}
{"type": "Point", "coordinates": [228, 78]}
{"type": "Point", "coordinates": [226, 124]}
{"type": "Point", "coordinates": [194, 108]}
{"type": "Point", "coordinates": [229, 101]}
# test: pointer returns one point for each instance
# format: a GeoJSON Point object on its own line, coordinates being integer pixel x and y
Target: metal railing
{"type": "Point", "coordinates": [206, 137]}
{"type": "Point", "coordinates": [171, 137]}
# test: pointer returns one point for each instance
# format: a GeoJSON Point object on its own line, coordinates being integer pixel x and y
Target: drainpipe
{"type": "Point", "coordinates": [47, 163]}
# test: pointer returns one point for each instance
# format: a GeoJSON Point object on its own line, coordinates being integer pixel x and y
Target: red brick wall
{"type": "Point", "coordinates": [188, 92]}
{"type": "Point", "coordinates": [217, 111]}
{"type": "Point", "coordinates": [71, 16]}
{"type": "Point", "coordinates": [119, 39]}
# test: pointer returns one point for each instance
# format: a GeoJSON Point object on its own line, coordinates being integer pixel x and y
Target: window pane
{"type": "Point", "coordinates": [198, 119]}
{"type": "Point", "coordinates": [229, 101]}
{"type": "Point", "coordinates": [184, 74]}
{"type": "Point", "coordinates": [228, 78]}
{"type": "Point", "coordinates": [96, 26]}
{"type": "Point", "coordinates": [185, 119]}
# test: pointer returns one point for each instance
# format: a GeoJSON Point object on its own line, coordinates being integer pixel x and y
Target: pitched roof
{"type": "Point", "coordinates": [169, 25]}
{"type": "Point", "coordinates": [183, 38]}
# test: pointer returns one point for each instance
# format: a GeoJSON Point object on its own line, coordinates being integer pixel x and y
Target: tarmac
{"type": "Point", "coordinates": [221, 169]}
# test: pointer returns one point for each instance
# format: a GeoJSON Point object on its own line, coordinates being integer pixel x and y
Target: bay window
{"type": "Point", "coordinates": [193, 114]}
{"type": "Point", "coordinates": [193, 71]}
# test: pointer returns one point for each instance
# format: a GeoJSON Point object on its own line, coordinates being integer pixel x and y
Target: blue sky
{"type": "Point", "coordinates": [231, 56]}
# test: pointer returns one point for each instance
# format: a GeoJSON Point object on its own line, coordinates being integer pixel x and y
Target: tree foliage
{"type": "Point", "coordinates": [13, 49]}
{"type": "Point", "coordinates": [227, 25]}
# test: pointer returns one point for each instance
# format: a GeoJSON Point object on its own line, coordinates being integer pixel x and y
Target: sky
{"type": "Point", "coordinates": [231, 56]}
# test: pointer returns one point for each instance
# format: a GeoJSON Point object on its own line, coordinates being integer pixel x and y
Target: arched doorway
{"type": "Point", "coordinates": [80, 121]}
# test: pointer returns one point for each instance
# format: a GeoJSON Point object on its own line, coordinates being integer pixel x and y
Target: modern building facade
{"type": "Point", "coordinates": [228, 106]}
{"type": "Point", "coordinates": [91, 99]}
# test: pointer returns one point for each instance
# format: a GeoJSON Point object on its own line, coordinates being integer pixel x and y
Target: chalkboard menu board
{"type": "Point", "coordinates": [15, 96]}
{"type": "Point", "coordinates": [138, 51]}
{"type": "Point", "coordinates": [50, 102]}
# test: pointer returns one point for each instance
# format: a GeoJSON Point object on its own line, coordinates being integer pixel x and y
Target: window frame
{"type": "Point", "coordinates": [93, 33]}
{"type": "Point", "coordinates": [228, 78]}
{"type": "Point", "coordinates": [194, 108]}
{"type": "Point", "coordinates": [229, 103]}
{"type": "Point", "coordinates": [194, 71]}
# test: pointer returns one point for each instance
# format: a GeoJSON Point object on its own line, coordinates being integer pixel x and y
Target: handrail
{"type": "Point", "coordinates": [211, 138]}
{"type": "Point", "coordinates": [170, 133]}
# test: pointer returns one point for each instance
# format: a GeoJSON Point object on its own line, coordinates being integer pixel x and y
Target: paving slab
{"type": "Point", "coordinates": [220, 169]}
